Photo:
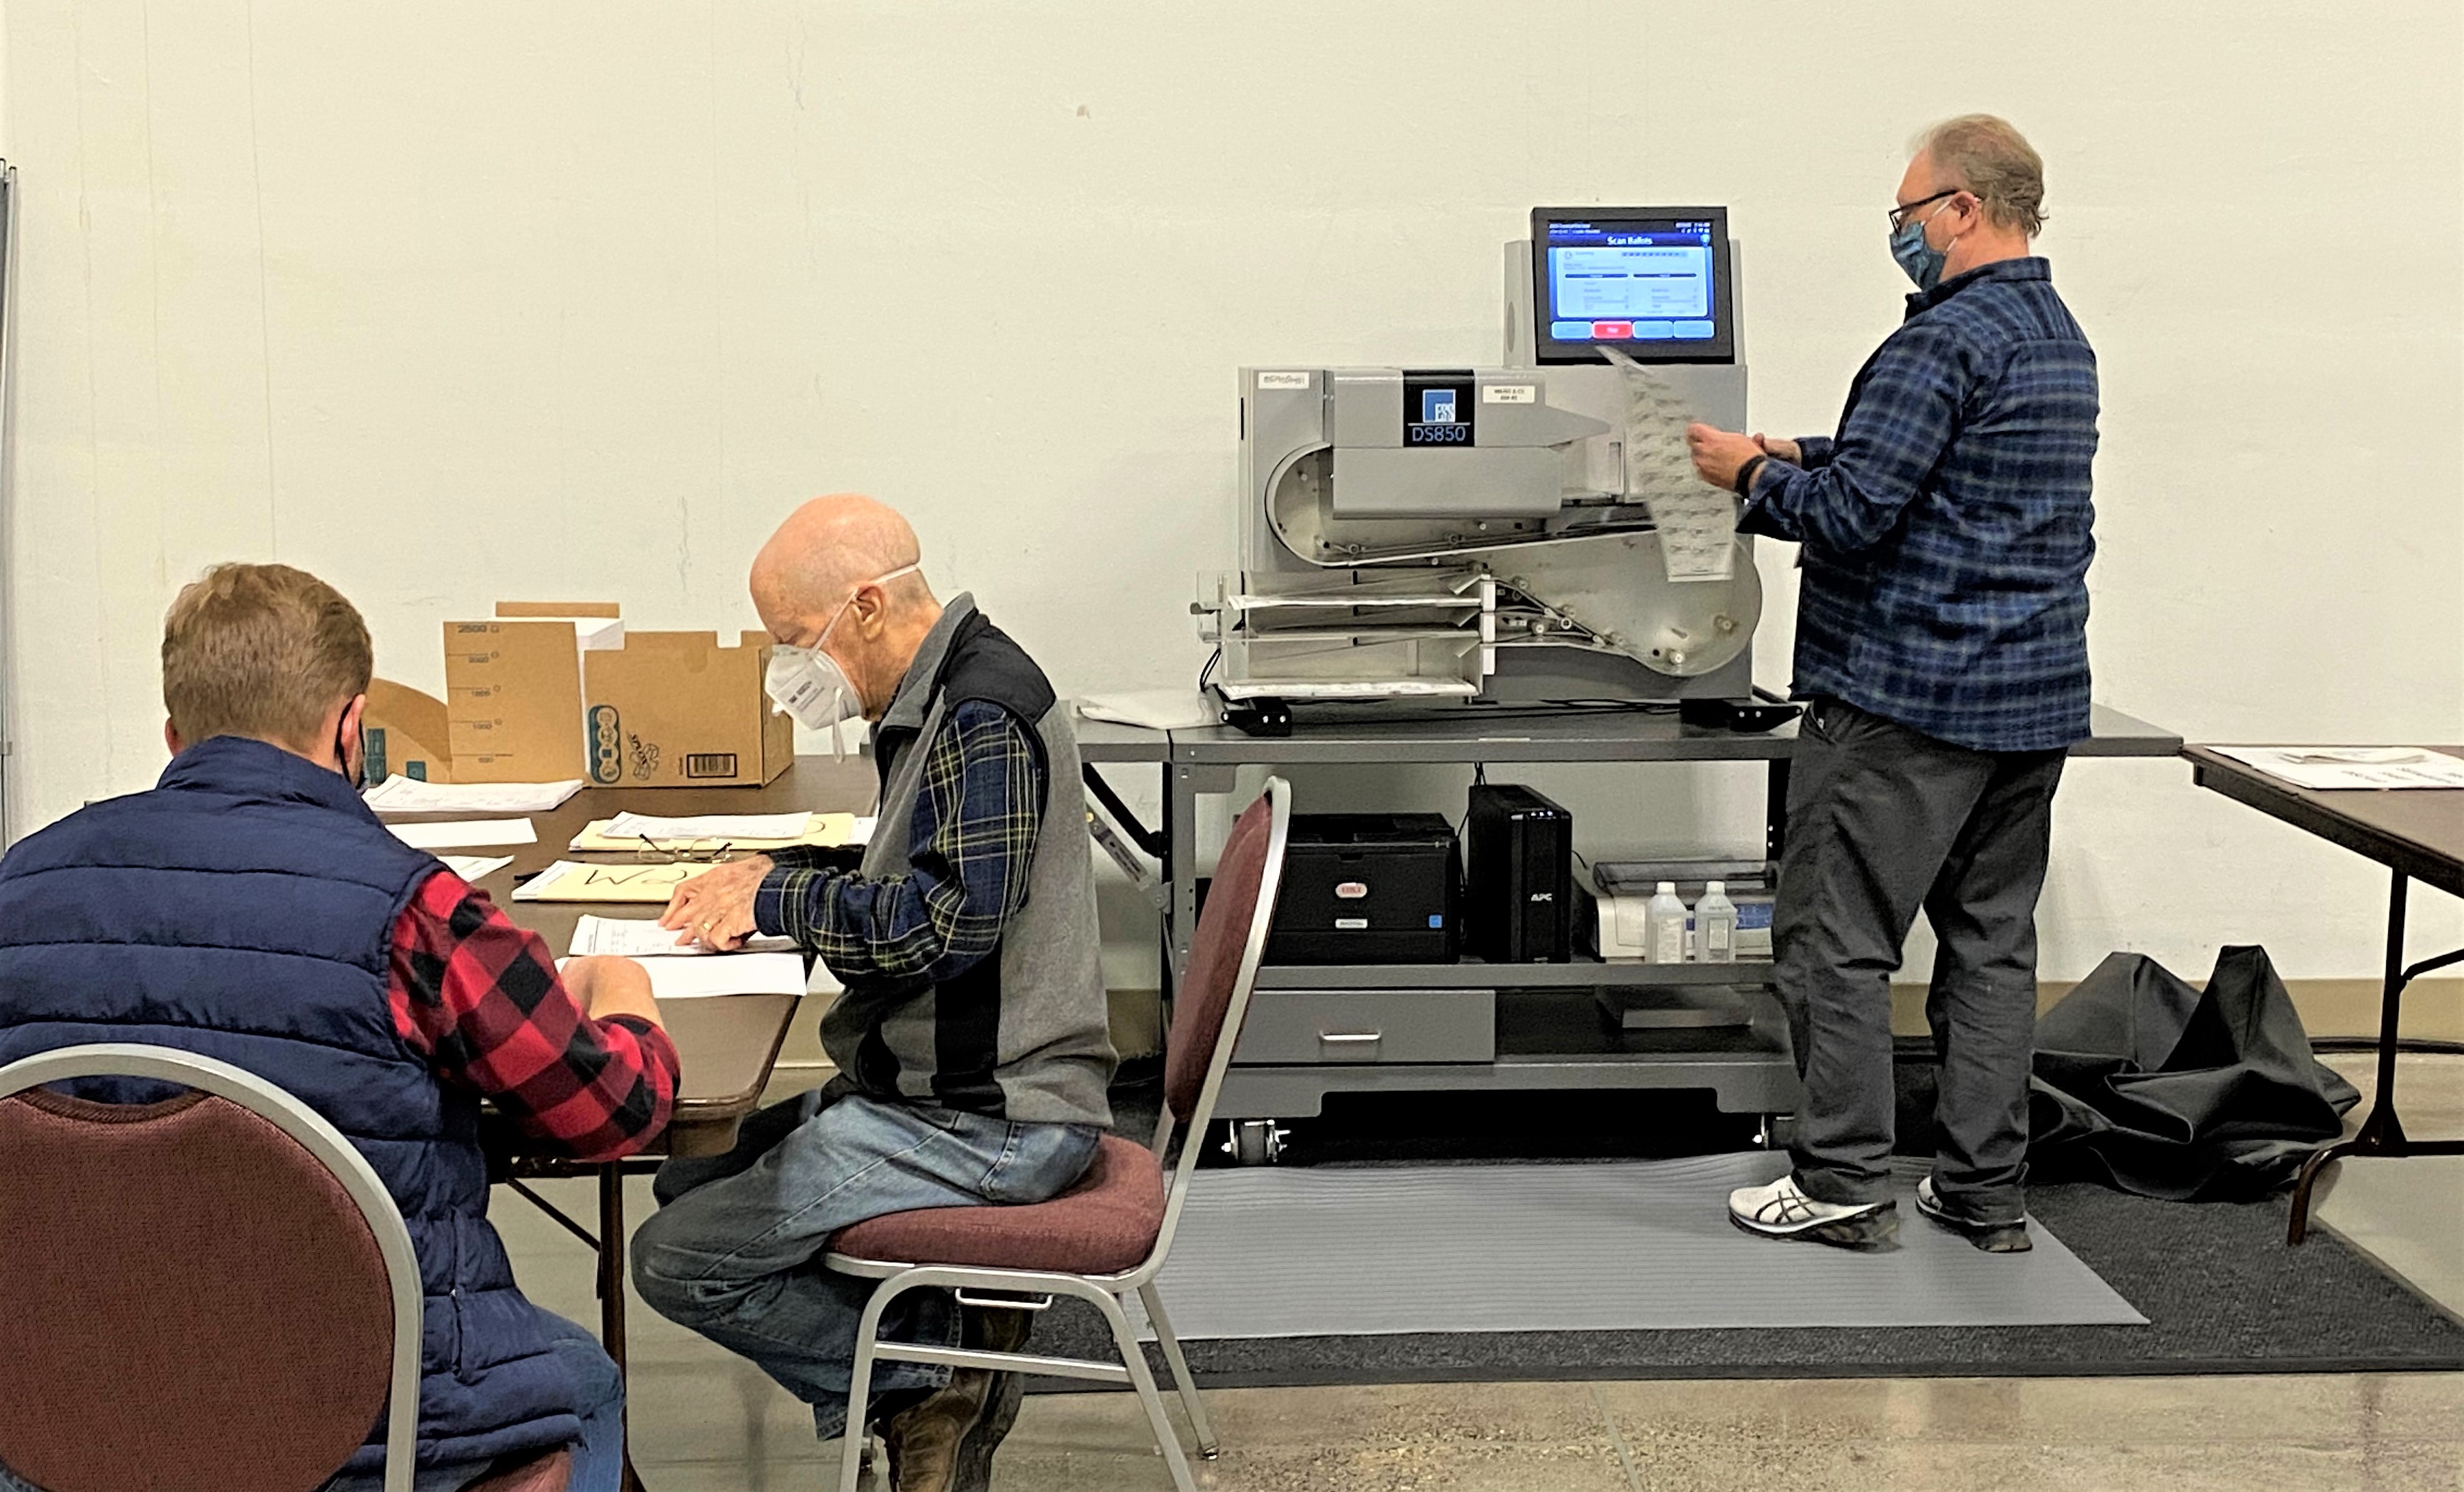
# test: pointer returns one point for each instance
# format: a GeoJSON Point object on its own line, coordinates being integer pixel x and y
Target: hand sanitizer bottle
{"type": "Point", "coordinates": [1715, 926]}
{"type": "Point", "coordinates": [1664, 926]}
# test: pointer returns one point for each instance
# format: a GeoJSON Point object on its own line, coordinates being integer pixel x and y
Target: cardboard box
{"type": "Point", "coordinates": [402, 732]}
{"type": "Point", "coordinates": [678, 709]}
{"type": "Point", "coordinates": [513, 690]}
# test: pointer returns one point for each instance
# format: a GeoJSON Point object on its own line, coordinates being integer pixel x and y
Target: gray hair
{"type": "Point", "coordinates": [1994, 160]}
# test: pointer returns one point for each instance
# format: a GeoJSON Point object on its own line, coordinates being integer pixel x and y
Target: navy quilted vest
{"type": "Point", "coordinates": [244, 909]}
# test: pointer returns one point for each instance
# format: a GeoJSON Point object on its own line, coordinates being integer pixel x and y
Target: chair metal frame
{"type": "Point", "coordinates": [1107, 1293]}
{"type": "Point", "coordinates": [320, 1139]}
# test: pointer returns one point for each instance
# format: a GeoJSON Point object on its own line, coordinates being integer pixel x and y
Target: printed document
{"type": "Point", "coordinates": [733, 974]}
{"type": "Point", "coordinates": [784, 827]}
{"type": "Point", "coordinates": [640, 937]}
{"type": "Point", "coordinates": [463, 833]}
{"type": "Point", "coordinates": [1697, 521]}
{"type": "Point", "coordinates": [471, 868]}
{"type": "Point", "coordinates": [410, 795]}
{"type": "Point", "coordinates": [2329, 768]}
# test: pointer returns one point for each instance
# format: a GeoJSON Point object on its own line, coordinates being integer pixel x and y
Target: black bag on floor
{"type": "Point", "coordinates": [2156, 1088]}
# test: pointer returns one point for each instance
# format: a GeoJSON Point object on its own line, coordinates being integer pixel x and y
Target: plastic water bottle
{"type": "Point", "coordinates": [1663, 921]}
{"type": "Point", "coordinates": [1715, 926]}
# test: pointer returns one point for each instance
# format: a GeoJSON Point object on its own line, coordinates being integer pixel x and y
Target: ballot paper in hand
{"type": "Point", "coordinates": [640, 937]}
{"type": "Point", "coordinates": [471, 868]}
{"type": "Point", "coordinates": [1697, 521]}
{"type": "Point", "coordinates": [410, 795]}
{"type": "Point", "coordinates": [730, 973]}
{"type": "Point", "coordinates": [462, 833]}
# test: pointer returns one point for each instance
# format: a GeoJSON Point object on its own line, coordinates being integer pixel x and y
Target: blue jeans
{"type": "Point", "coordinates": [734, 1250]}
{"type": "Point", "coordinates": [598, 1461]}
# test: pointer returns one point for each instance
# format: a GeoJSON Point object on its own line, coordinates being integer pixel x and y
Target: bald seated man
{"type": "Point", "coordinates": [970, 1043]}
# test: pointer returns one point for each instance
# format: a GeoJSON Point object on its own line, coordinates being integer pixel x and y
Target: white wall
{"type": "Point", "coordinates": [454, 301]}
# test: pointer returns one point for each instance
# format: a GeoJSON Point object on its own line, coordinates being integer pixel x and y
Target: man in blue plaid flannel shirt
{"type": "Point", "coordinates": [1941, 646]}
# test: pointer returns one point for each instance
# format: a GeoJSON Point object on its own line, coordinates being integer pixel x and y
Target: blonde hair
{"type": "Point", "coordinates": [261, 651]}
{"type": "Point", "coordinates": [1995, 163]}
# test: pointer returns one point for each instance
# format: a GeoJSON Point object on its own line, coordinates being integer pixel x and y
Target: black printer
{"type": "Point", "coordinates": [1368, 888]}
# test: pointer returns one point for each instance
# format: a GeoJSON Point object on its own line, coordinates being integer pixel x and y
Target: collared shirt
{"type": "Point", "coordinates": [481, 999]}
{"type": "Point", "coordinates": [974, 829]}
{"type": "Point", "coordinates": [1947, 528]}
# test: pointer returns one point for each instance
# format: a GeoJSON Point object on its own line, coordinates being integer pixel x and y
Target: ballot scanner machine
{"type": "Point", "coordinates": [1431, 562]}
{"type": "Point", "coordinates": [1526, 532]}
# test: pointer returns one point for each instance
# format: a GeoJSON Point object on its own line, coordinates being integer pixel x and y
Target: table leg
{"type": "Point", "coordinates": [611, 1296]}
{"type": "Point", "coordinates": [2382, 1133]}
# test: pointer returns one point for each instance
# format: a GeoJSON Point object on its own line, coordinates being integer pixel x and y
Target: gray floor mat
{"type": "Point", "coordinates": [1368, 1251]}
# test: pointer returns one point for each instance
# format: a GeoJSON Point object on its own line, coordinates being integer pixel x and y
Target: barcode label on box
{"type": "Point", "coordinates": [710, 765]}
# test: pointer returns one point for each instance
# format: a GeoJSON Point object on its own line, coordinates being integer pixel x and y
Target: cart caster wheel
{"type": "Point", "coordinates": [1775, 1131]}
{"type": "Point", "coordinates": [1255, 1141]}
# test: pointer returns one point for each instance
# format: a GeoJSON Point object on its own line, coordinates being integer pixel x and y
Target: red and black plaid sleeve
{"type": "Point", "coordinates": [481, 998]}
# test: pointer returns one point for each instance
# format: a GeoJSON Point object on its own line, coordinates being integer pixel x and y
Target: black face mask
{"type": "Point", "coordinates": [357, 773]}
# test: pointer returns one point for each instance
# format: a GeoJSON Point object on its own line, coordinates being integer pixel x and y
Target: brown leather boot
{"type": "Point", "coordinates": [945, 1443]}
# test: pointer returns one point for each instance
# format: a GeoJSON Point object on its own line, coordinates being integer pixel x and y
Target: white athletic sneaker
{"type": "Point", "coordinates": [1782, 1211]}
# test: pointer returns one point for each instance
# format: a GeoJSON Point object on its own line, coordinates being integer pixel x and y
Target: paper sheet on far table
{"type": "Point", "coordinates": [464, 833]}
{"type": "Point", "coordinates": [410, 795]}
{"type": "Point", "coordinates": [471, 868]}
{"type": "Point", "coordinates": [2331, 768]}
{"type": "Point", "coordinates": [573, 881]}
{"type": "Point", "coordinates": [727, 974]}
{"type": "Point", "coordinates": [642, 937]}
{"type": "Point", "coordinates": [1697, 521]}
{"type": "Point", "coordinates": [626, 832]}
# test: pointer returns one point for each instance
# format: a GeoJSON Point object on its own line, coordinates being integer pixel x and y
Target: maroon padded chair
{"type": "Point", "coordinates": [1105, 1238]}
{"type": "Point", "coordinates": [208, 1292]}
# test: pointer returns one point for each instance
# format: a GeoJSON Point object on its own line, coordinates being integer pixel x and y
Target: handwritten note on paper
{"type": "Point", "coordinates": [573, 881]}
{"type": "Point", "coordinates": [1697, 521]}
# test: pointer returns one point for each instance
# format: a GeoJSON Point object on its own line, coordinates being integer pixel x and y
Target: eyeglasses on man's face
{"type": "Point", "coordinates": [1899, 214]}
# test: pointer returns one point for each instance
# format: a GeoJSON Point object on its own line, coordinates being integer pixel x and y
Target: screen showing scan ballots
{"type": "Point", "coordinates": [1634, 281]}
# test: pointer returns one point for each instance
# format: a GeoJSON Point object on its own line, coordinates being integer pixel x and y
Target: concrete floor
{"type": "Point", "coordinates": [704, 1422]}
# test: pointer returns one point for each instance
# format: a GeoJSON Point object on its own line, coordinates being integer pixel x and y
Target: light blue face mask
{"type": "Point", "coordinates": [1921, 260]}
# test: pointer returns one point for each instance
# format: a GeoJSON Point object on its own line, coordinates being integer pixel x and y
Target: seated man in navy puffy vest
{"type": "Point", "coordinates": [251, 908]}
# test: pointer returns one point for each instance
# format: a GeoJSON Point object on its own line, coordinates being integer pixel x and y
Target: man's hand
{"type": "Point", "coordinates": [603, 986]}
{"type": "Point", "coordinates": [1719, 453]}
{"type": "Point", "coordinates": [1787, 450]}
{"type": "Point", "coordinates": [714, 909]}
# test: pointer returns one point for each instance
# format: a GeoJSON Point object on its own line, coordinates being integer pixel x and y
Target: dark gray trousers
{"type": "Point", "coordinates": [1882, 820]}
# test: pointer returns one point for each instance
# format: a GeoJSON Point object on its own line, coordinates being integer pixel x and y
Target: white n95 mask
{"type": "Point", "coordinates": [808, 683]}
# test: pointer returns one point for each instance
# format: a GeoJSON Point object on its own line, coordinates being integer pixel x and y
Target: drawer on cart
{"type": "Point", "coordinates": [1369, 1025]}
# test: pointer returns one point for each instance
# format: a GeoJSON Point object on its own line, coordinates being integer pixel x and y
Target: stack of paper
{"type": "Point", "coordinates": [730, 973]}
{"type": "Point", "coordinates": [410, 795]}
{"type": "Point", "coordinates": [640, 937]}
{"type": "Point", "coordinates": [2328, 768]}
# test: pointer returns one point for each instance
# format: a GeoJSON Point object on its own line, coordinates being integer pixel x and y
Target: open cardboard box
{"type": "Point", "coordinates": [546, 690]}
{"type": "Point", "coordinates": [403, 730]}
{"type": "Point", "coordinates": [678, 709]}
